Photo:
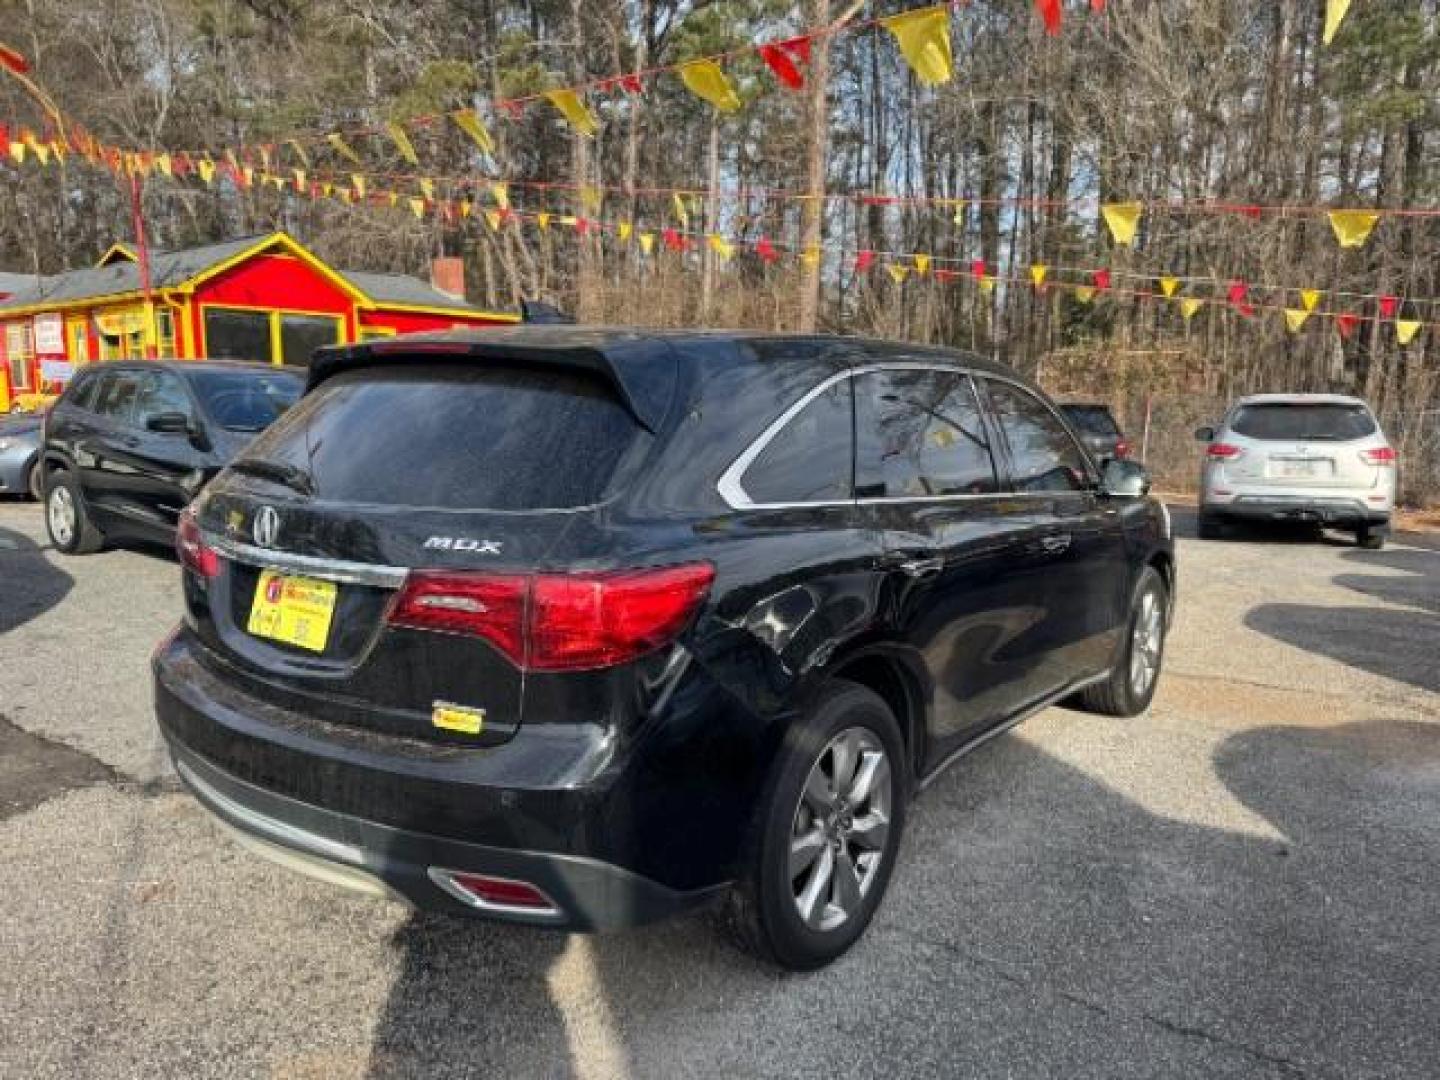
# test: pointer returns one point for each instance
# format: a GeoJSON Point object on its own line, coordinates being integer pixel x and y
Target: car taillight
{"type": "Point", "coordinates": [194, 553]}
{"type": "Point", "coordinates": [1223, 451]}
{"type": "Point", "coordinates": [1379, 455]}
{"type": "Point", "coordinates": [558, 622]}
{"type": "Point", "coordinates": [1122, 449]}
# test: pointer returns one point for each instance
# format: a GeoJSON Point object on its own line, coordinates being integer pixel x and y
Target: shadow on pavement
{"type": "Point", "coordinates": [1420, 590]}
{"type": "Point", "coordinates": [1184, 520]}
{"type": "Point", "coordinates": [29, 584]}
{"type": "Point", "coordinates": [1395, 643]}
{"type": "Point", "coordinates": [1039, 924]}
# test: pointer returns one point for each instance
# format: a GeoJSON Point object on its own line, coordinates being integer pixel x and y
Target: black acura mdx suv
{"type": "Point", "coordinates": [579, 628]}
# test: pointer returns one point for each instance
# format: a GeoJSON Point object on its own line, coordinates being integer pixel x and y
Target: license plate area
{"type": "Point", "coordinates": [1299, 468]}
{"type": "Point", "coordinates": [293, 610]}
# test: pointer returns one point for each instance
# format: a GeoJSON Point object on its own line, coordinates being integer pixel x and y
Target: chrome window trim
{"type": "Point", "coordinates": [346, 573]}
{"type": "Point", "coordinates": [732, 491]}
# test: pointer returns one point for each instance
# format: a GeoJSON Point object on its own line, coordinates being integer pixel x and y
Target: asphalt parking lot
{"type": "Point", "coordinates": [1245, 882]}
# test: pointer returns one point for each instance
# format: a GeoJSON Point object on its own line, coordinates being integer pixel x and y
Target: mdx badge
{"type": "Point", "coordinates": [463, 543]}
{"type": "Point", "coordinates": [266, 526]}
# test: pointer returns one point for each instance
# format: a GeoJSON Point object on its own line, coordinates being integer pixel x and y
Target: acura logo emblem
{"type": "Point", "coordinates": [266, 527]}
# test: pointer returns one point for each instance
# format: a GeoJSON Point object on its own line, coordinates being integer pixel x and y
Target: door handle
{"type": "Point", "coordinates": [922, 568]}
{"type": "Point", "coordinates": [1055, 544]}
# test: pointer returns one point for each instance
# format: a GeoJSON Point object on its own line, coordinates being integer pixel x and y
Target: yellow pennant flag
{"type": "Point", "coordinates": [466, 208]}
{"type": "Point", "coordinates": [501, 194]}
{"type": "Point", "coordinates": [922, 264]}
{"type": "Point", "coordinates": [1123, 219]}
{"type": "Point", "coordinates": [206, 168]}
{"type": "Point", "coordinates": [417, 207]}
{"type": "Point", "coordinates": [898, 272]}
{"type": "Point", "coordinates": [358, 183]}
{"type": "Point", "coordinates": [1037, 274]}
{"type": "Point", "coordinates": [164, 164]}
{"type": "Point", "coordinates": [1335, 11]}
{"type": "Point", "coordinates": [987, 283]}
{"type": "Point", "coordinates": [492, 218]}
{"type": "Point", "coordinates": [1084, 293]}
{"type": "Point", "coordinates": [625, 230]}
{"type": "Point", "coordinates": [17, 151]}
{"type": "Point", "coordinates": [327, 189]}
{"type": "Point", "coordinates": [1406, 329]}
{"type": "Point", "coordinates": [468, 121]}
{"type": "Point", "coordinates": [294, 144]}
{"type": "Point", "coordinates": [959, 216]}
{"type": "Point", "coordinates": [543, 220]}
{"type": "Point", "coordinates": [341, 147]}
{"type": "Point", "coordinates": [706, 79]}
{"type": "Point", "coordinates": [721, 246]}
{"type": "Point", "coordinates": [591, 198]}
{"type": "Point", "coordinates": [1352, 227]}
{"type": "Point", "coordinates": [810, 257]}
{"type": "Point", "coordinates": [574, 110]}
{"type": "Point", "coordinates": [249, 173]}
{"type": "Point", "coordinates": [681, 215]}
{"type": "Point", "coordinates": [1189, 307]}
{"type": "Point", "coordinates": [924, 40]}
{"type": "Point", "coordinates": [647, 242]}
{"type": "Point", "coordinates": [1309, 299]}
{"type": "Point", "coordinates": [41, 151]}
{"type": "Point", "coordinates": [1169, 286]}
{"type": "Point", "coordinates": [299, 179]}
{"type": "Point", "coordinates": [1295, 318]}
{"type": "Point", "coordinates": [427, 187]}
{"type": "Point", "coordinates": [394, 197]}
{"type": "Point", "coordinates": [402, 142]}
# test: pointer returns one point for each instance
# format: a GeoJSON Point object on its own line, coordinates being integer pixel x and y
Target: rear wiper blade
{"type": "Point", "coordinates": [290, 475]}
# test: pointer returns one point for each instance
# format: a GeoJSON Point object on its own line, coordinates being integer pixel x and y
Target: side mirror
{"type": "Point", "coordinates": [1124, 479]}
{"type": "Point", "coordinates": [1205, 434]}
{"type": "Point", "coordinates": [169, 423]}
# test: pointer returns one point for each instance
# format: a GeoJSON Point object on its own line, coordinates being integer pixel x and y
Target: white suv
{"type": "Point", "coordinates": [1299, 457]}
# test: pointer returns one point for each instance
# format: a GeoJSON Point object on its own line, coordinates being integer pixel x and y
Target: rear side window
{"type": "Point", "coordinates": [810, 458]}
{"type": "Point", "coordinates": [1092, 419]}
{"type": "Point", "coordinates": [1043, 456]}
{"type": "Point", "coordinates": [920, 436]}
{"type": "Point", "coordinates": [1303, 421]}
{"type": "Point", "coordinates": [83, 395]}
{"type": "Point", "coordinates": [160, 393]}
{"type": "Point", "coordinates": [117, 396]}
{"type": "Point", "coordinates": [457, 437]}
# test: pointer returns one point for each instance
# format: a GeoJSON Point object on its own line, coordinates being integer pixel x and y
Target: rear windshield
{"type": "Point", "coordinates": [456, 437]}
{"type": "Point", "coordinates": [1303, 421]}
{"type": "Point", "coordinates": [246, 400]}
{"type": "Point", "coordinates": [1091, 419]}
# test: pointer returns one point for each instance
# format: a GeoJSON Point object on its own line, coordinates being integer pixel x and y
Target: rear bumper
{"type": "Point", "coordinates": [1321, 509]}
{"type": "Point", "coordinates": [386, 815]}
{"type": "Point", "coordinates": [349, 851]}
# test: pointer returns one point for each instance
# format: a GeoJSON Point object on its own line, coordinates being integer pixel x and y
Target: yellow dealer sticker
{"type": "Point", "coordinates": [457, 718]}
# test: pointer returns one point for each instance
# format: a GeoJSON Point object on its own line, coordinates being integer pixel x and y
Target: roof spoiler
{"type": "Point", "coordinates": [643, 371]}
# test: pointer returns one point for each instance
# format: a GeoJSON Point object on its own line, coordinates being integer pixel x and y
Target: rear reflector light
{"type": "Point", "coordinates": [558, 622]}
{"type": "Point", "coordinates": [1223, 451]}
{"type": "Point", "coordinates": [504, 894]}
{"type": "Point", "coordinates": [194, 553]}
{"type": "Point", "coordinates": [1380, 455]}
{"type": "Point", "coordinates": [1122, 449]}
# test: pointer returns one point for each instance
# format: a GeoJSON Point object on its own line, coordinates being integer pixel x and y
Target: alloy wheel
{"type": "Point", "coordinates": [61, 510]}
{"type": "Point", "coordinates": [1146, 640]}
{"type": "Point", "coordinates": [838, 835]}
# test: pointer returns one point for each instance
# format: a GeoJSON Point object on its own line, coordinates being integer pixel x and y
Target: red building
{"type": "Point", "coordinates": [264, 298]}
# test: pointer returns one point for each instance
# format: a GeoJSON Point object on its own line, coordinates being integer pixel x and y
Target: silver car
{"type": "Point", "coordinates": [19, 454]}
{"type": "Point", "coordinates": [1318, 458]}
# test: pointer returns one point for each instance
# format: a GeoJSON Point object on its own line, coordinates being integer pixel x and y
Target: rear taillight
{"type": "Point", "coordinates": [1223, 451]}
{"type": "Point", "coordinates": [1122, 449]}
{"type": "Point", "coordinates": [194, 553]}
{"type": "Point", "coordinates": [558, 622]}
{"type": "Point", "coordinates": [1379, 455]}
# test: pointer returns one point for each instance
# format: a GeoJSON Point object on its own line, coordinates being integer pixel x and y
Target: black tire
{"type": "Point", "coordinates": [763, 909]}
{"type": "Point", "coordinates": [1371, 537]}
{"type": "Point", "coordinates": [83, 537]}
{"type": "Point", "coordinates": [1211, 527]}
{"type": "Point", "coordinates": [1118, 695]}
{"type": "Point", "coordinates": [35, 482]}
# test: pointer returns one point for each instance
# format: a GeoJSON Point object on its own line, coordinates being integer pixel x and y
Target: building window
{"type": "Point", "coordinates": [165, 332]}
{"type": "Point", "coordinates": [301, 335]}
{"type": "Point", "coordinates": [79, 340]}
{"type": "Point", "coordinates": [237, 335]}
{"type": "Point", "coordinates": [19, 352]}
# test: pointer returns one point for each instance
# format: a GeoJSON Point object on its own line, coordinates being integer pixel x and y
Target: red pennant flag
{"type": "Point", "coordinates": [1097, 6]}
{"type": "Point", "coordinates": [977, 269]}
{"type": "Point", "coordinates": [766, 250]}
{"type": "Point", "coordinates": [1101, 279]}
{"type": "Point", "coordinates": [946, 275]}
{"type": "Point", "coordinates": [1346, 323]}
{"type": "Point", "coordinates": [513, 110]}
{"type": "Point", "coordinates": [673, 240]}
{"type": "Point", "coordinates": [864, 261]}
{"type": "Point", "coordinates": [784, 57]}
{"type": "Point", "coordinates": [1050, 11]}
{"type": "Point", "coordinates": [505, 215]}
{"type": "Point", "coordinates": [1389, 305]}
{"type": "Point", "coordinates": [1238, 289]}
{"type": "Point", "coordinates": [4, 138]}
{"type": "Point", "coordinates": [582, 225]}
{"type": "Point", "coordinates": [182, 164]}
{"type": "Point", "coordinates": [1251, 212]}
{"type": "Point", "coordinates": [13, 60]}
{"type": "Point", "coordinates": [631, 84]}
